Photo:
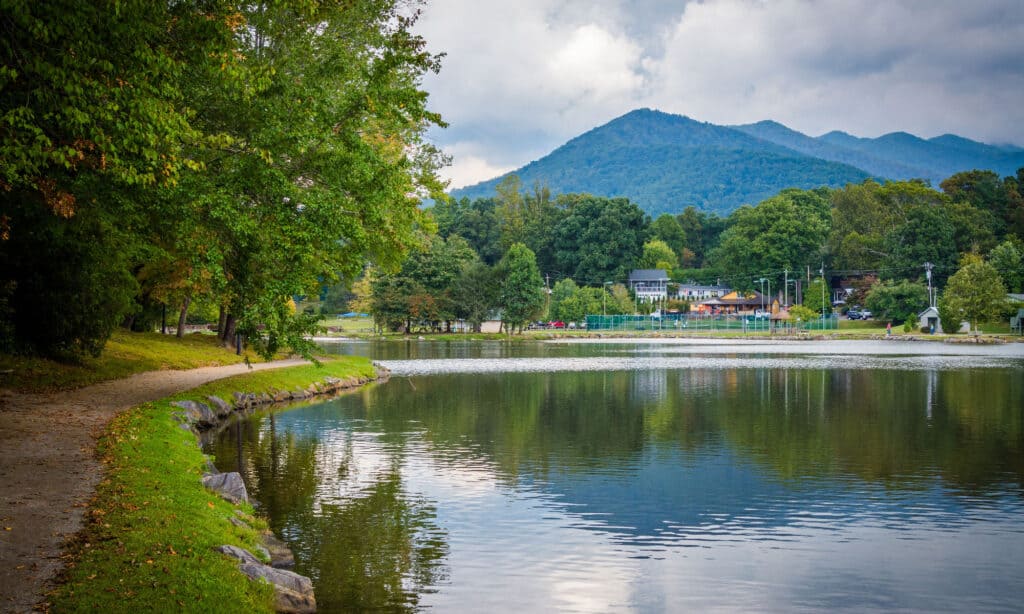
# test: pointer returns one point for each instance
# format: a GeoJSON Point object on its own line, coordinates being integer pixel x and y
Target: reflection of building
{"type": "Point", "coordinates": [649, 284]}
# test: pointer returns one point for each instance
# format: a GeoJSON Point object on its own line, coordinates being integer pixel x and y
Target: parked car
{"type": "Point", "coordinates": [865, 315]}
{"type": "Point", "coordinates": [556, 324]}
{"type": "Point", "coordinates": [854, 314]}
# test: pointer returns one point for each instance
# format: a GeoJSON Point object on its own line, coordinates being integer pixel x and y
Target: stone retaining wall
{"type": "Point", "coordinates": [293, 593]}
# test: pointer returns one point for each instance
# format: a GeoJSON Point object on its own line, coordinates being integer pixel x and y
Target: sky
{"type": "Point", "coordinates": [521, 78]}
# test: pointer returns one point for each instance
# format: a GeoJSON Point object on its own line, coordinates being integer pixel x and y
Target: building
{"type": "Point", "coordinates": [649, 285]}
{"type": "Point", "coordinates": [737, 302]}
{"type": "Point", "coordinates": [694, 293]}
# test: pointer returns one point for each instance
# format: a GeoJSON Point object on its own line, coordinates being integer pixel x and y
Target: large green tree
{"type": "Point", "coordinates": [1008, 260]}
{"type": "Point", "coordinates": [897, 300]}
{"type": "Point", "coordinates": [522, 290]}
{"type": "Point", "coordinates": [600, 239]}
{"type": "Point", "coordinates": [786, 231]}
{"type": "Point", "coordinates": [975, 294]}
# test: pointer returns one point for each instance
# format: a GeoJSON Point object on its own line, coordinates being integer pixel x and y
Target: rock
{"type": "Point", "coordinates": [281, 395]}
{"type": "Point", "coordinates": [243, 555]}
{"type": "Point", "coordinates": [281, 555]}
{"type": "Point", "coordinates": [199, 414]}
{"type": "Point", "coordinates": [299, 393]}
{"type": "Point", "coordinates": [238, 522]}
{"type": "Point", "coordinates": [241, 400]}
{"type": "Point", "coordinates": [293, 593]}
{"type": "Point", "coordinates": [220, 406]}
{"type": "Point", "coordinates": [228, 485]}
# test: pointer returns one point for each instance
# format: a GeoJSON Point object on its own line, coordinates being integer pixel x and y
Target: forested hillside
{"type": "Point", "coordinates": [665, 162]}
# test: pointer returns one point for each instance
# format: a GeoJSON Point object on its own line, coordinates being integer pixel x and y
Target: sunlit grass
{"type": "Point", "coordinates": [152, 527]}
{"type": "Point", "coordinates": [126, 353]}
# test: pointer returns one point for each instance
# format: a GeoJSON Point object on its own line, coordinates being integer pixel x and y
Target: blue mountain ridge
{"type": "Point", "coordinates": [665, 162]}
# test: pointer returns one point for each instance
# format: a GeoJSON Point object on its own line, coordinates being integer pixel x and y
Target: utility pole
{"type": "Point", "coordinates": [928, 266]}
{"type": "Point", "coordinates": [822, 270]}
{"type": "Point", "coordinates": [785, 289]}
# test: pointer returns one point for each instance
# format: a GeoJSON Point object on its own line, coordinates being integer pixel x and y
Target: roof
{"type": "Point", "coordinates": [1015, 297]}
{"type": "Point", "coordinates": [648, 275]}
{"type": "Point", "coordinates": [930, 310]}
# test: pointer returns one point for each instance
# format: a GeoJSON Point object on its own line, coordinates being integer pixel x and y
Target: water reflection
{"type": "Point", "coordinates": [654, 489]}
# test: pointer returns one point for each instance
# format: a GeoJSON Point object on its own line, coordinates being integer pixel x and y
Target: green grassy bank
{"type": "Point", "coordinates": [150, 531]}
{"type": "Point", "coordinates": [125, 354]}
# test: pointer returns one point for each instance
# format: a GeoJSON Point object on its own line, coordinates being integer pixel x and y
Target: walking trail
{"type": "Point", "coordinates": [49, 470]}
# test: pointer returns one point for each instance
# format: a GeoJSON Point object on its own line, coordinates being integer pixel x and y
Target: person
{"type": "Point", "coordinates": [888, 329]}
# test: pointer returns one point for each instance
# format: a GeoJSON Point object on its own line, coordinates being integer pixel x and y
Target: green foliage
{"type": "Point", "coordinates": [800, 313]}
{"type": "Point", "coordinates": [657, 255]}
{"type": "Point", "coordinates": [668, 229]}
{"type": "Point", "coordinates": [974, 293]}
{"type": "Point", "coordinates": [1008, 260]}
{"type": "Point", "coordinates": [818, 296]}
{"type": "Point", "coordinates": [475, 293]}
{"type": "Point", "coordinates": [69, 280]}
{"type": "Point", "coordinates": [522, 290]}
{"type": "Point", "coordinates": [600, 239]}
{"type": "Point", "coordinates": [897, 300]}
{"type": "Point", "coordinates": [785, 231]}
{"type": "Point", "coordinates": [570, 303]}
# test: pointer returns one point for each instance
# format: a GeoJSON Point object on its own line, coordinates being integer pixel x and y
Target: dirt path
{"type": "Point", "coordinates": [49, 470]}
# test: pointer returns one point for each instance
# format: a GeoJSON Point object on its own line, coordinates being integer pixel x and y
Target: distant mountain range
{"type": "Point", "coordinates": [665, 162]}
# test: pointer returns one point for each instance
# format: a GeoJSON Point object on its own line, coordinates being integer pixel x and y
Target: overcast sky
{"type": "Point", "coordinates": [522, 77]}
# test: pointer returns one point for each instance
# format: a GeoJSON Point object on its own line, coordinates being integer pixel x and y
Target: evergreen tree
{"type": "Point", "coordinates": [522, 289]}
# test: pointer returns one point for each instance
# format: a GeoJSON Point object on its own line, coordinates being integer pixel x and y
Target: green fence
{"type": "Point", "coordinates": [692, 322]}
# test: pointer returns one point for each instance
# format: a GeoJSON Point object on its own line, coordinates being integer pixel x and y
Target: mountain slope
{"type": "Point", "coordinates": [665, 162]}
{"type": "Point", "coordinates": [837, 147]}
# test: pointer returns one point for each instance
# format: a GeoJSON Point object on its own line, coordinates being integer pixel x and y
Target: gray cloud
{"type": "Point", "coordinates": [521, 78]}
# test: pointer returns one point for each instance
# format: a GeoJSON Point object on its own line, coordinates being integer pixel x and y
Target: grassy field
{"type": "Point", "coordinates": [152, 527]}
{"type": "Point", "coordinates": [125, 354]}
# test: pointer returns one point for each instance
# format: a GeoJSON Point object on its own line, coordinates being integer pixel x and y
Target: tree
{"type": "Point", "coordinates": [522, 290]}
{"type": "Point", "coordinates": [600, 239]}
{"type": "Point", "coordinates": [818, 296]}
{"type": "Point", "coordinates": [785, 231]}
{"type": "Point", "coordinates": [658, 255]}
{"type": "Point", "coordinates": [897, 300]}
{"type": "Point", "coordinates": [668, 229]}
{"type": "Point", "coordinates": [1008, 260]}
{"type": "Point", "coordinates": [974, 293]}
{"type": "Point", "coordinates": [475, 294]}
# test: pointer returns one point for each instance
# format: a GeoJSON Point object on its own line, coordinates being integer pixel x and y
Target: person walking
{"type": "Point", "coordinates": [888, 329]}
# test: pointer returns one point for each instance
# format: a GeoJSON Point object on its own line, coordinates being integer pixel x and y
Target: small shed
{"type": "Point", "coordinates": [929, 318]}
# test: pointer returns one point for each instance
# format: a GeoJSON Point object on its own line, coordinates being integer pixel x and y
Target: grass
{"type": "Point", "coordinates": [152, 527]}
{"type": "Point", "coordinates": [125, 354]}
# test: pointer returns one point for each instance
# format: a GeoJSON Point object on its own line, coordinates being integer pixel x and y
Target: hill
{"type": "Point", "coordinates": [664, 162]}
{"type": "Point", "coordinates": [897, 155]}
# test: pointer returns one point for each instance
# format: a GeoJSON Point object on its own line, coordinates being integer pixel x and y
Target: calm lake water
{"type": "Point", "coordinates": [652, 477]}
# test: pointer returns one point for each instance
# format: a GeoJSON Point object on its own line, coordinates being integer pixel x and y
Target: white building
{"type": "Point", "coordinates": [649, 285]}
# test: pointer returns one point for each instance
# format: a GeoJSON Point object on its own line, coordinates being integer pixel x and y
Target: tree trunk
{"type": "Point", "coordinates": [230, 324]}
{"type": "Point", "coordinates": [222, 321]}
{"type": "Point", "coordinates": [181, 316]}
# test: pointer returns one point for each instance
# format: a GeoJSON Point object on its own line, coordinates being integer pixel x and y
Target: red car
{"type": "Point", "coordinates": [557, 324]}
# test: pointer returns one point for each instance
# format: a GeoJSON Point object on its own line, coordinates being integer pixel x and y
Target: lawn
{"type": "Point", "coordinates": [125, 354]}
{"type": "Point", "coordinates": [152, 527]}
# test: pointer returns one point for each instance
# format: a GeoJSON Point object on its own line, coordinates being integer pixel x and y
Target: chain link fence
{"type": "Point", "coordinates": [698, 322]}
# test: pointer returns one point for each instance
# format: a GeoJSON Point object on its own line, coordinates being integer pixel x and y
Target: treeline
{"type": "Point", "coordinates": [878, 235]}
{"type": "Point", "coordinates": [210, 154]}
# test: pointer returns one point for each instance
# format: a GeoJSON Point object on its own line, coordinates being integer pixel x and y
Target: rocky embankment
{"type": "Point", "coordinates": [293, 592]}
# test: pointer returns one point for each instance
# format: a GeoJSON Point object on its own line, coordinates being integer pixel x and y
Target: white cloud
{"type": "Point", "coordinates": [521, 78]}
{"type": "Point", "coordinates": [469, 169]}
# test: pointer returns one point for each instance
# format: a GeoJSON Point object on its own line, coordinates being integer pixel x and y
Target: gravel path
{"type": "Point", "coordinates": [49, 470]}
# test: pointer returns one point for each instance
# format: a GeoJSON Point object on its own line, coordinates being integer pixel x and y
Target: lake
{"type": "Point", "coordinates": [653, 476]}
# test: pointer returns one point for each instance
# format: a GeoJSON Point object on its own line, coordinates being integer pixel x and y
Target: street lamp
{"type": "Point", "coordinates": [604, 298]}
{"type": "Point", "coordinates": [761, 281]}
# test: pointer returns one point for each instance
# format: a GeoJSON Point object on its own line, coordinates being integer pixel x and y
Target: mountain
{"type": "Point", "coordinates": [834, 146]}
{"type": "Point", "coordinates": [664, 162]}
{"type": "Point", "coordinates": [897, 155]}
